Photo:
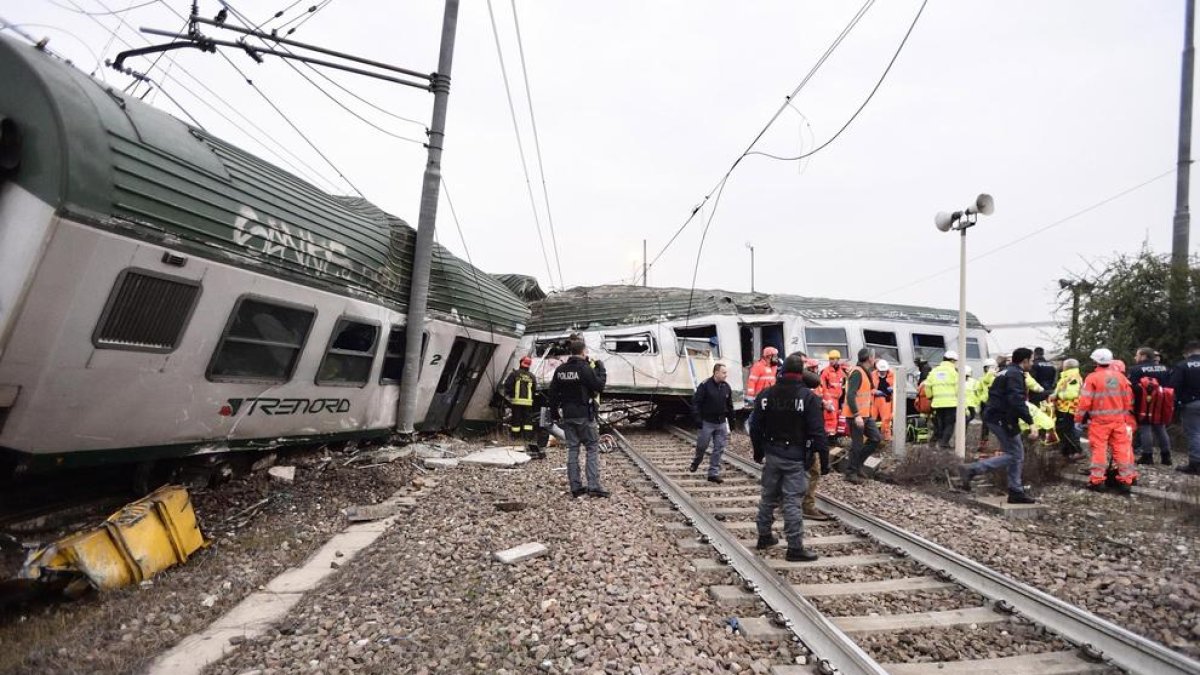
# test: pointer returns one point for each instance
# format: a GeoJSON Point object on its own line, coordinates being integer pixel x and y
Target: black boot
{"type": "Point", "coordinates": [1166, 459]}
{"type": "Point", "coordinates": [766, 542]}
{"type": "Point", "coordinates": [1192, 468]}
{"type": "Point", "coordinates": [964, 478]}
{"type": "Point", "coordinates": [1146, 459]}
{"type": "Point", "coordinates": [800, 555]}
{"type": "Point", "coordinates": [695, 465]}
{"type": "Point", "coordinates": [1123, 490]}
{"type": "Point", "coordinates": [716, 479]}
{"type": "Point", "coordinates": [1020, 498]}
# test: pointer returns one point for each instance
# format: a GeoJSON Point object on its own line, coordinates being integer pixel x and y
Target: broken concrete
{"type": "Point", "coordinates": [385, 455]}
{"type": "Point", "coordinates": [439, 463]}
{"type": "Point", "coordinates": [502, 457]}
{"type": "Point", "coordinates": [523, 552]}
{"type": "Point", "coordinates": [283, 474]}
{"type": "Point", "coordinates": [1000, 506]}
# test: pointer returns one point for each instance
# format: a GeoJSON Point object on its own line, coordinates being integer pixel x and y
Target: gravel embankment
{"type": "Point", "coordinates": [898, 603]}
{"type": "Point", "coordinates": [119, 631]}
{"type": "Point", "coordinates": [612, 594]}
{"type": "Point", "coordinates": [959, 644]}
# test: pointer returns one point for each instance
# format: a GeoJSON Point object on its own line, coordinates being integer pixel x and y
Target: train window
{"type": "Point", "coordinates": [820, 340]}
{"type": "Point", "coordinates": [452, 366]}
{"type": "Point", "coordinates": [393, 356]}
{"type": "Point", "coordinates": [928, 347]}
{"type": "Point", "coordinates": [973, 351]}
{"type": "Point", "coordinates": [350, 354]}
{"type": "Point", "coordinates": [551, 347]}
{"type": "Point", "coordinates": [884, 343]}
{"type": "Point", "coordinates": [262, 342]}
{"type": "Point", "coordinates": [639, 343]}
{"type": "Point", "coordinates": [697, 341]}
{"type": "Point", "coordinates": [146, 312]}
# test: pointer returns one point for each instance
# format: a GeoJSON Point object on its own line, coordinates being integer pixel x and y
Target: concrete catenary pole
{"type": "Point", "coordinates": [418, 297]}
{"type": "Point", "coordinates": [960, 415]}
{"type": "Point", "coordinates": [1183, 219]}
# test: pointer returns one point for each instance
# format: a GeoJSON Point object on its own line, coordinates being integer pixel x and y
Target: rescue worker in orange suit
{"type": "Point", "coordinates": [520, 387]}
{"type": "Point", "coordinates": [833, 386]}
{"type": "Point", "coordinates": [885, 383]}
{"type": "Point", "coordinates": [762, 373]}
{"type": "Point", "coordinates": [860, 398]}
{"type": "Point", "coordinates": [1106, 403]}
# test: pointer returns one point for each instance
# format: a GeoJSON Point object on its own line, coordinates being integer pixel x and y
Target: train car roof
{"type": "Point", "coordinates": [587, 307]}
{"type": "Point", "coordinates": [116, 163]}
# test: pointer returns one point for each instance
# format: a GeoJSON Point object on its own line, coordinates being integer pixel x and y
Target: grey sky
{"type": "Point", "coordinates": [1049, 106]}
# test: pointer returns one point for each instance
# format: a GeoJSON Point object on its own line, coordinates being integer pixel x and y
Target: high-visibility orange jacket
{"type": "Point", "coordinates": [1107, 397]}
{"type": "Point", "coordinates": [863, 397]}
{"type": "Point", "coordinates": [833, 380]}
{"type": "Point", "coordinates": [762, 375]}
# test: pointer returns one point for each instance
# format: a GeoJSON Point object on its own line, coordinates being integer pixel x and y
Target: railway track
{"type": "Point", "coordinates": [874, 580]}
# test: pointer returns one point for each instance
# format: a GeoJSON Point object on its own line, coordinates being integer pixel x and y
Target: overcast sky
{"type": "Point", "coordinates": [1052, 107]}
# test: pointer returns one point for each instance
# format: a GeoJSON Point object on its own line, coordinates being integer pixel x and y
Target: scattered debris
{"type": "Point", "coordinates": [439, 463]}
{"type": "Point", "coordinates": [283, 474]}
{"type": "Point", "coordinates": [503, 457]}
{"type": "Point", "coordinates": [383, 455]}
{"type": "Point", "coordinates": [518, 553]}
{"type": "Point", "coordinates": [366, 512]}
{"type": "Point", "coordinates": [510, 506]}
{"type": "Point", "coordinates": [132, 545]}
{"type": "Point", "coordinates": [209, 600]}
{"type": "Point", "coordinates": [265, 462]}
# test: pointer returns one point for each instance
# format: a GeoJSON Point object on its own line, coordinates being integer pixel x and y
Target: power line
{"type": "Point", "coordinates": [304, 17]}
{"type": "Point", "coordinates": [786, 102]}
{"type": "Point", "coordinates": [871, 95]}
{"type": "Point", "coordinates": [80, 10]}
{"type": "Point", "coordinates": [284, 116]}
{"type": "Point", "coordinates": [1035, 232]}
{"type": "Point", "coordinates": [276, 15]}
{"type": "Point", "coordinates": [520, 146]}
{"type": "Point", "coordinates": [537, 144]}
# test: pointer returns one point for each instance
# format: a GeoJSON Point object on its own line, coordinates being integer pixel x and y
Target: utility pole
{"type": "Point", "coordinates": [751, 247]}
{"type": "Point", "coordinates": [645, 265]}
{"type": "Point", "coordinates": [418, 297]}
{"type": "Point", "coordinates": [1183, 221]}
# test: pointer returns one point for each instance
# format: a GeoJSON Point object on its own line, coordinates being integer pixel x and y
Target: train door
{"type": "Point", "coordinates": [464, 366]}
{"type": "Point", "coordinates": [756, 337]}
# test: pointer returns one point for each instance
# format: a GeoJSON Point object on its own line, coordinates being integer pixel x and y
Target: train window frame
{"type": "Point", "coordinates": [917, 354]}
{"type": "Point", "coordinates": [682, 342]}
{"type": "Point", "coordinates": [110, 306]}
{"type": "Point", "coordinates": [225, 337]}
{"type": "Point", "coordinates": [648, 337]}
{"type": "Point", "coordinates": [974, 342]}
{"type": "Point", "coordinates": [811, 345]}
{"type": "Point", "coordinates": [402, 328]}
{"type": "Point", "coordinates": [882, 349]}
{"type": "Point", "coordinates": [371, 353]}
{"type": "Point", "coordinates": [553, 344]}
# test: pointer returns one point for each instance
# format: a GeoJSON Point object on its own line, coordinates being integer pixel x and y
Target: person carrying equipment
{"type": "Point", "coordinates": [942, 388]}
{"type": "Point", "coordinates": [833, 387]}
{"type": "Point", "coordinates": [885, 385]}
{"type": "Point", "coordinates": [787, 433]}
{"type": "Point", "coordinates": [762, 373]}
{"type": "Point", "coordinates": [1105, 402]}
{"type": "Point", "coordinates": [1066, 400]}
{"type": "Point", "coordinates": [520, 387]}
{"type": "Point", "coordinates": [1153, 405]}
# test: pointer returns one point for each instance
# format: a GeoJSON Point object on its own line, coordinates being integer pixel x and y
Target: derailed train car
{"type": "Point", "coordinates": [164, 293]}
{"type": "Point", "coordinates": [658, 343]}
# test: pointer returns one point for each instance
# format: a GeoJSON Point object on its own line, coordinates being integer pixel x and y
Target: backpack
{"type": "Point", "coordinates": [1157, 402]}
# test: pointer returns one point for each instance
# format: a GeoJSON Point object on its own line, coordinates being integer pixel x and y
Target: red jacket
{"type": "Point", "coordinates": [762, 375]}
{"type": "Point", "coordinates": [1106, 397]}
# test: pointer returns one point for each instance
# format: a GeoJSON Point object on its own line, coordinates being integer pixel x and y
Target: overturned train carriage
{"type": "Point", "coordinates": [164, 293]}
{"type": "Point", "coordinates": [659, 343]}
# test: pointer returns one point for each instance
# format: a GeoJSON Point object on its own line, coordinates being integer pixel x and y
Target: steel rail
{"type": "Point", "coordinates": [826, 641]}
{"type": "Point", "coordinates": [1115, 644]}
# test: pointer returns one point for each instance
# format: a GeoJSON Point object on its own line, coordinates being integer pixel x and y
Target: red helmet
{"type": "Point", "coordinates": [769, 352]}
{"type": "Point", "coordinates": [526, 362]}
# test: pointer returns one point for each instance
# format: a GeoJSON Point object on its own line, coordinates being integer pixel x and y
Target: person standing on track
{"type": "Point", "coordinates": [1106, 402]}
{"type": "Point", "coordinates": [864, 435]}
{"type": "Point", "coordinates": [787, 431]}
{"type": "Point", "coordinates": [1006, 408]}
{"type": "Point", "coordinates": [712, 410]}
{"type": "Point", "coordinates": [574, 391]}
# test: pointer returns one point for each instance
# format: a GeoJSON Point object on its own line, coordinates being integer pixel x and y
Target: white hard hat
{"type": "Point", "coordinates": [1102, 356]}
{"type": "Point", "coordinates": [950, 355]}
{"type": "Point", "coordinates": [989, 363]}
{"type": "Point", "coordinates": [882, 366]}
{"type": "Point", "coordinates": [969, 371]}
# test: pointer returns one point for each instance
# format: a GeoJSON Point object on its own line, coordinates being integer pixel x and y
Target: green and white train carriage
{"type": "Point", "coordinates": [165, 294]}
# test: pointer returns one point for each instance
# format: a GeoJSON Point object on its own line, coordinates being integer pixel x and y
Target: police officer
{"type": "Point", "coordinates": [519, 390]}
{"type": "Point", "coordinates": [787, 431]}
{"type": "Point", "coordinates": [573, 395]}
{"type": "Point", "coordinates": [1186, 381]}
{"type": "Point", "coordinates": [1044, 373]}
{"type": "Point", "coordinates": [1148, 377]}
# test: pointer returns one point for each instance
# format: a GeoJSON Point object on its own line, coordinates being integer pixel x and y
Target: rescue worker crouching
{"type": "Point", "coordinates": [787, 431]}
{"type": "Point", "coordinates": [712, 410]}
{"type": "Point", "coordinates": [1106, 403]}
{"type": "Point", "coordinates": [520, 388]}
{"type": "Point", "coordinates": [573, 394]}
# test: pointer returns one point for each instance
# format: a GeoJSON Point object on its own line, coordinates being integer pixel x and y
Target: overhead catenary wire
{"type": "Point", "coordinates": [787, 101]}
{"type": "Point", "coordinates": [1035, 232]}
{"type": "Point", "coordinates": [537, 144]}
{"type": "Point", "coordinates": [80, 10]}
{"type": "Point", "coordinates": [304, 17]}
{"type": "Point", "coordinates": [520, 146]}
{"type": "Point", "coordinates": [313, 176]}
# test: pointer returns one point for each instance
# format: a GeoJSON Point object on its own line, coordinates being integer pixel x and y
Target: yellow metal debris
{"type": "Point", "coordinates": [135, 543]}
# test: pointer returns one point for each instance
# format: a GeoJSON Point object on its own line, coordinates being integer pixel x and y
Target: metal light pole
{"type": "Point", "coordinates": [961, 221]}
{"type": "Point", "coordinates": [751, 247]}
{"type": "Point", "coordinates": [418, 297]}
{"type": "Point", "coordinates": [1183, 221]}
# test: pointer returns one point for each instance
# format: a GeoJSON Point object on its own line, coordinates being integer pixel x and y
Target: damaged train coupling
{"type": "Point", "coordinates": [142, 539]}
